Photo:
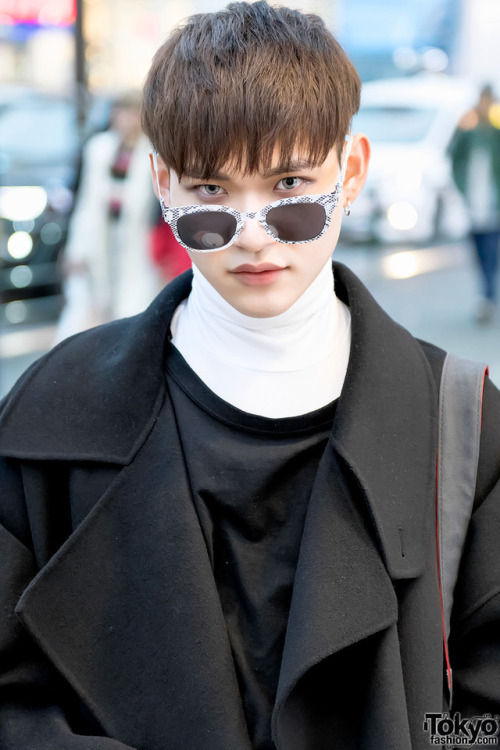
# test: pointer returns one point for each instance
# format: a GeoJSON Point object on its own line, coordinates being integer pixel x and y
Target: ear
{"type": "Point", "coordinates": [161, 178]}
{"type": "Point", "coordinates": [357, 167]}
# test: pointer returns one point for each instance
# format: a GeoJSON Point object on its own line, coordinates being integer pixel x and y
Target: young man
{"type": "Point", "coordinates": [218, 517]}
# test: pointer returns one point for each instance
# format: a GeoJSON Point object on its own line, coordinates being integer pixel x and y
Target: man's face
{"type": "Point", "coordinates": [258, 275]}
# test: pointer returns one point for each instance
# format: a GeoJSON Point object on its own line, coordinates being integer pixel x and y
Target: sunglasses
{"type": "Point", "coordinates": [293, 221]}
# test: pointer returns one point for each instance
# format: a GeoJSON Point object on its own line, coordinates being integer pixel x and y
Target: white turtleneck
{"type": "Point", "coordinates": [281, 366]}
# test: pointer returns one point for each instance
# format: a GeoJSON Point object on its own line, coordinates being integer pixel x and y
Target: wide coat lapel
{"type": "Point", "coordinates": [343, 603]}
{"type": "Point", "coordinates": [128, 611]}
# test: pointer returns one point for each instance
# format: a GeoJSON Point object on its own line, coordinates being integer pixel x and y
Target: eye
{"type": "Point", "coordinates": [210, 190]}
{"type": "Point", "coordinates": [289, 183]}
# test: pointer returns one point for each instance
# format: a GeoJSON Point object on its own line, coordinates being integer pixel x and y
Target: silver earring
{"type": "Point", "coordinates": [347, 208]}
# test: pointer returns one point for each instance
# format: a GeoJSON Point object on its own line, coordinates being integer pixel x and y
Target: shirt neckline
{"type": "Point", "coordinates": [199, 393]}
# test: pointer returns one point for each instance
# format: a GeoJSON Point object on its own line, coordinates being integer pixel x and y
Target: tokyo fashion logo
{"type": "Point", "coordinates": [453, 731]}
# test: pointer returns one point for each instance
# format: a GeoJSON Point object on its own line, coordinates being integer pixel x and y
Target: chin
{"type": "Point", "coordinates": [262, 308]}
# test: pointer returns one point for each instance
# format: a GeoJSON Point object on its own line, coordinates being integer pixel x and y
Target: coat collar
{"type": "Point", "coordinates": [109, 385]}
{"type": "Point", "coordinates": [95, 396]}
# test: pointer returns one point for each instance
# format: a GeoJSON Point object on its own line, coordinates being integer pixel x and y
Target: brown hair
{"type": "Point", "coordinates": [228, 87]}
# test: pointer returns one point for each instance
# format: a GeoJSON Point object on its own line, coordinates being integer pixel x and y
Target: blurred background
{"type": "Point", "coordinates": [81, 241]}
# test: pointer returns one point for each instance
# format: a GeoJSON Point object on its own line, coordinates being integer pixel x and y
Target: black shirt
{"type": "Point", "coordinates": [251, 479]}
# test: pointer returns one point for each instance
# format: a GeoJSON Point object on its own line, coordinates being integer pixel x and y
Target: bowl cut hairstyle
{"type": "Point", "coordinates": [230, 87]}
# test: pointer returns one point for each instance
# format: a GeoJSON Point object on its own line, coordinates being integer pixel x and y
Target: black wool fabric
{"type": "Point", "coordinates": [251, 479]}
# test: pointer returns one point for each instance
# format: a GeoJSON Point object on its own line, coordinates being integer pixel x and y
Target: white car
{"type": "Point", "coordinates": [409, 195]}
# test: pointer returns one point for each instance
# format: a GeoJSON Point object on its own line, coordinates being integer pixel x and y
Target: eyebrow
{"type": "Point", "coordinates": [197, 174]}
{"type": "Point", "coordinates": [296, 165]}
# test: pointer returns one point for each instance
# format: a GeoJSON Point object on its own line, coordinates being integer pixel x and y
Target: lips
{"type": "Point", "coordinates": [261, 274]}
{"type": "Point", "coordinates": [260, 268]}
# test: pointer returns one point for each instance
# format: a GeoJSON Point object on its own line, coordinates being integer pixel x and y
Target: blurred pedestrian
{"type": "Point", "coordinates": [475, 153]}
{"type": "Point", "coordinates": [107, 265]}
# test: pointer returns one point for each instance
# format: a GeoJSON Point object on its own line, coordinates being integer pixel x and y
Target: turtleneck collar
{"type": "Point", "coordinates": [280, 366]}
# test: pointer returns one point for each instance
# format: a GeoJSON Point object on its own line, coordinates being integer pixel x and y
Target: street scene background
{"type": "Point", "coordinates": [73, 164]}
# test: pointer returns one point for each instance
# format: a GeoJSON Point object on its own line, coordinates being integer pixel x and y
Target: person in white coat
{"type": "Point", "coordinates": [107, 263]}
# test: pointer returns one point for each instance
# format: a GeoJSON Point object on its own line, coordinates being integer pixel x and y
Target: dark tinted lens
{"type": "Point", "coordinates": [297, 222]}
{"type": "Point", "coordinates": [206, 230]}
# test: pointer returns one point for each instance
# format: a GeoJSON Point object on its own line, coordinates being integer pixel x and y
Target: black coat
{"type": "Point", "coordinates": [119, 639]}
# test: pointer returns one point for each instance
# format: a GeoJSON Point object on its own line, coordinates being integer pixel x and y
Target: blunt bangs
{"type": "Point", "coordinates": [231, 87]}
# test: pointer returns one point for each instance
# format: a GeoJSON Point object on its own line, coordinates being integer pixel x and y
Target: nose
{"type": "Point", "coordinates": [253, 237]}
